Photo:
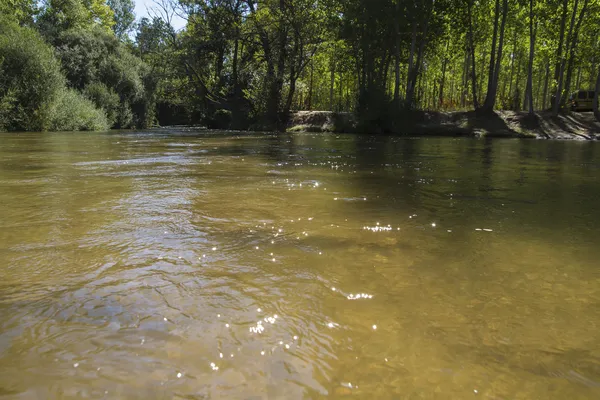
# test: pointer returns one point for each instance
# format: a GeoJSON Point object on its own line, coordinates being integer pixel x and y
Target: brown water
{"type": "Point", "coordinates": [166, 265]}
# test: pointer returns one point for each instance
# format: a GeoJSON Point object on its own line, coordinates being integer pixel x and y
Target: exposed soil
{"type": "Point", "coordinates": [507, 124]}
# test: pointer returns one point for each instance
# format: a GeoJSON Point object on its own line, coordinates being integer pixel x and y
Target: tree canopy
{"type": "Point", "coordinates": [250, 63]}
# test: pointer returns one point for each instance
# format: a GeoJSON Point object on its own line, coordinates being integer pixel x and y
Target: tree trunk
{"type": "Point", "coordinates": [517, 95]}
{"type": "Point", "coordinates": [384, 70]}
{"type": "Point", "coordinates": [331, 84]}
{"type": "Point", "coordinates": [413, 45]}
{"type": "Point", "coordinates": [573, 47]}
{"type": "Point", "coordinates": [597, 98]}
{"type": "Point", "coordinates": [559, 87]}
{"type": "Point", "coordinates": [500, 48]}
{"type": "Point", "coordinates": [397, 55]}
{"type": "Point", "coordinates": [452, 92]}
{"type": "Point", "coordinates": [236, 112]}
{"type": "Point", "coordinates": [465, 79]}
{"type": "Point", "coordinates": [219, 63]}
{"type": "Point", "coordinates": [235, 65]}
{"type": "Point", "coordinates": [529, 90]}
{"type": "Point", "coordinates": [493, 55]}
{"type": "Point", "coordinates": [290, 98]}
{"type": "Point", "coordinates": [538, 88]}
{"type": "Point", "coordinates": [481, 79]}
{"type": "Point", "coordinates": [341, 99]}
{"type": "Point", "coordinates": [546, 79]}
{"type": "Point", "coordinates": [561, 40]}
{"type": "Point", "coordinates": [512, 65]}
{"type": "Point", "coordinates": [443, 81]}
{"type": "Point", "coordinates": [310, 87]}
{"type": "Point", "coordinates": [416, 68]}
{"type": "Point", "coordinates": [473, 61]}
{"type": "Point", "coordinates": [490, 100]}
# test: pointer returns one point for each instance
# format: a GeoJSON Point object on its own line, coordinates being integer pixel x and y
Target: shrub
{"type": "Point", "coordinates": [106, 99]}
{"type": "Point", "coordinates": [221, 119]}
{"type": "Point", "coordinates": [72, 111]}
{"type": "Point", "coordinates": [83, 53]}
{"type": "Point", "coordinates": [125, 116]}
{"type": "Point", "coordinates": [30, 78]}
{"type": "Point", "coordinates": [98, 64]}
{"type": "Point", "coordinates": [7, 103]}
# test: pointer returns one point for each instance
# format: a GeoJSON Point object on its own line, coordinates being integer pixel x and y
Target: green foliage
{"type": "Point", "coordinates": [72, 111]}
{"type": "Point", "coordinates": [241, 63]}
{"type": "Point", "coordinates": [83, 54]}
{"type": "Point", "coordinates": [30, 79]}
{"type": "Point", "coordinates": [123, 16]}
{"type": "Point", "coordinates": [152, 35]}
{"type": "Point", "coordinates": [61, 15]}
{"type": "Point", "coordinates": [19, 11]}
{"type": "Point", "coordinates": [221, 119]}
{"type": "Point", "coordinates": [166, 80]}
{"type": "Point", "coordinates": [105, 99]}
{"type": "Point", "coordinates": [96, 62]}
{"type": "Point", "coordinates": [33, 95]}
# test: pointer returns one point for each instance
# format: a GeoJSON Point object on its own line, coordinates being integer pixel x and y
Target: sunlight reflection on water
{"type": "Point", "coordinates": [219, 266]}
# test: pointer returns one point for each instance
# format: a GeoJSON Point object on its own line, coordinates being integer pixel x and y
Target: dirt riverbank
{"type": "Point", "coordinates": [506, 124]}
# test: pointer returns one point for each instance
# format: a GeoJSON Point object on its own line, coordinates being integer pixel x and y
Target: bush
{"type": "Point", "coordinates": [30, 78]}
{"type": "Point", "coordinates": [98, 64]}
{"type": "Point", "coordinates": [72, 111]}
{"type": "Point", "coordinates": [125, 116]}
{"type": "Point", "coordinates": [221, 119]}
{"type": "Point", "coordinates": [82, 53]}
{"type": "Point", "coordinates": [7, 104]}
{"type": "Point", "coordinates": [106, 99]}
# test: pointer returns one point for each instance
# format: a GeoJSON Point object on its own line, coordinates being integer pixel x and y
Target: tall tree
{"type": "Point", "coordinates": [573, 48]}
{"type": "Point", "coordinates": [529, 90]}
{"type": "Point", "coordinates": [563, 61]}
{"type": "Point", "coordinates": [496, 59]}
{"type": "Point", "coordinates": [124, 16]}
{"type": "Point", "coordinates": [472, 56]}
{"type": "Point", "coordinates": [597, 97]}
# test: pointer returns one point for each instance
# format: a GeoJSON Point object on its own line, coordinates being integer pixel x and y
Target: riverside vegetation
{"type": "Point", "coordinates": [253, 64]}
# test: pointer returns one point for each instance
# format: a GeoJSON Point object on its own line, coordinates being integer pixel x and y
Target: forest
{"type": "Point", "coordinates": [250, 64]}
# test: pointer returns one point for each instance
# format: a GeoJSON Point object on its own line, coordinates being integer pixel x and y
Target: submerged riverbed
{"type": "Point", "coordinates": [178, 264]}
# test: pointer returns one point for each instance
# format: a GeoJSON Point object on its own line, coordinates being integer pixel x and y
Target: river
{"type": "Point", "coordinates": [204, 265]}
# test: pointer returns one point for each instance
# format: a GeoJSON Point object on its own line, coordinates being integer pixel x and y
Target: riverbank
{"type": "Point", "coordinates": [501, 124]}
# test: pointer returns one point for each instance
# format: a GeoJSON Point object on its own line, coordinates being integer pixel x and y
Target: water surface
{"type": "Point", "coordinates": [182, 264]}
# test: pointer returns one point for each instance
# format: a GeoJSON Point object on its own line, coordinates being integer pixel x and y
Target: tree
{"type": "Point", "coordinates": [95, 56]}
{"type": "Point", "coordinates": [496, 59]}
{"type": "Point", "coordinates": [596, 97]}
{"type": "Point", "coordinates": [33, 95]}
{"type": "Point", "coordinates": [571, 43]}
{"type": "Point", "coordinates": [243, 63]}
{"type": "Point", "coordinates": [60, 15]}
{"type": "Point", "coordinates": [20, 11]}
{"type": "Point", "coordinates": [529, 91]}
{"type": "Point", "coordinates": [472, 55]}
{"type": "Point", "coordinates": [289, 33]}
{"type": "Point", "coordinates": [123, 16]}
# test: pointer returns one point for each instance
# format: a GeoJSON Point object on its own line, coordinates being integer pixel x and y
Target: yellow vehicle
{"type": "Point", "coordinates": [582, 100]}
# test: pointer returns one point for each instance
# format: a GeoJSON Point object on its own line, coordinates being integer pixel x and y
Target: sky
{"type": "Point", "coordinates": [142, 7]}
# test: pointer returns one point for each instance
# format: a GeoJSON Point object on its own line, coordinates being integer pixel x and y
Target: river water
{"type": "Point", "coordinates": [198, 265]}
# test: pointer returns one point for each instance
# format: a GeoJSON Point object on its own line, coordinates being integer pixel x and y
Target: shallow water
{"type": "Point", "coordinates": [182, 264]}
